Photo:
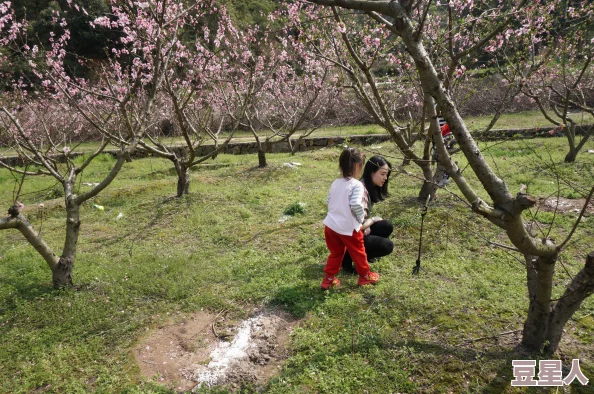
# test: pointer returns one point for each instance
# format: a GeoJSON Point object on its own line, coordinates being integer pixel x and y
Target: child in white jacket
{"type": "Point", "coordinates": [347, 201]}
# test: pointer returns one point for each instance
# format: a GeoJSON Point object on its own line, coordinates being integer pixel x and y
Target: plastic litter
{"type": "Point", "coordinates": [120, 215]}
{"type": "Point", "coordinates": [99, 207]}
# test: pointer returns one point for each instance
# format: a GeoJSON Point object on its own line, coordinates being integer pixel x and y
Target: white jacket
{"type": "Point", "coordinates": [346, 206]}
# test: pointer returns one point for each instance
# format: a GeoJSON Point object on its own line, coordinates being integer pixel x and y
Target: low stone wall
{"type": "Point", "coordinates": [313, 143]}
{"type": "Point", "coordinates": [241, 148]}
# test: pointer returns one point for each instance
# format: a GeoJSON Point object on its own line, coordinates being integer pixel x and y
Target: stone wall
{"type": "Point", "coordinates": [241, 148]}
{"type": "Point", "coordinates": [313, 143]}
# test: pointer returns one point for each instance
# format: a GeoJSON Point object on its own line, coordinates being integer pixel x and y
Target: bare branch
{"type": "Point", "coordinates": [577, 222]}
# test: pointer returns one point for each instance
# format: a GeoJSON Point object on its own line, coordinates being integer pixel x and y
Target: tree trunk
{"type": "Point", "coordinates": [574, 150]}
{"type": "Point", "coordinates": [296, 145]}
{"type": "Point", "coordinates": [430, 185]}
{"type": "Point", "coordinates": [262, 158]}
{"type": "Point", "coordinates": [540, 286]}
{"type": "Point", "coordinates": [570, 157]}
{"type": "Point", "coordinates": [183, 180]}
{"type": "Point", "coordinates": [62, 272]}
{"type": "Point", "coordinates": [427, 189]}
{"type": "Point", "coordinates": [579, 289]}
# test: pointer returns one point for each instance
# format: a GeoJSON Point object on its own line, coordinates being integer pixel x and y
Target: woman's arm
{"type": "Point", "coordinates": [367, 223]}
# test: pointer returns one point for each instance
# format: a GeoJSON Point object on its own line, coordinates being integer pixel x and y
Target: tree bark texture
{"type": "Point", "coordinates": [261, 158]}
{"type": "Point", "coordinates": [546, 319]}
{"type": "Point", "coordinates": [183, 180]}
{"type": "Point", "coordinates": [581, 287]}
{"type": "Point", "coordinates": [540, 272]}
{"type": "Point", "coordinates": [573, 149]}
{"type": "Point", "coordinates": [62, 273]}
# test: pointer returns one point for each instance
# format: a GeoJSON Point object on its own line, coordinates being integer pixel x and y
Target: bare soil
{"type": "Point", "coordinates": [566, 205]}
{"type": "Point", "coordinates": [212, 350]}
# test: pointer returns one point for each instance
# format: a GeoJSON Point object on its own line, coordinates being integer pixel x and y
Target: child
{"type": "Point", "coordinates": [346, 212]}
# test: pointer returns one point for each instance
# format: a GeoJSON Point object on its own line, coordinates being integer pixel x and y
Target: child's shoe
{"type": "Point", "coordinates": [370, 279]}
{"type": "Point", "coordinates": [330, 281]}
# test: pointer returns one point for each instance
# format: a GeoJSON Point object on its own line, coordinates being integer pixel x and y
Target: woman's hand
{"type": "Point", "coordinates": [366, 224]}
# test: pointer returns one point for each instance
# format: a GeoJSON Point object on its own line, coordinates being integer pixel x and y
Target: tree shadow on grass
{"type": "Point", "coordinates": [460, 366]}
{"type": "Point", "coordinates": [454, 358]}
{"type": "Point", "coordinates": [300, 298]}
{"type": "Point", "coordinates": [159, 212]}
{"type": "Point", "coordinates": [25, 289]}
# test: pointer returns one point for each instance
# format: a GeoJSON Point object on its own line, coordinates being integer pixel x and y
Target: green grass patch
{"type": "Point", "coordinates": [224, 247]}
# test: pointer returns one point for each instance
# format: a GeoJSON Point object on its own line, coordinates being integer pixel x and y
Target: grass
{"type": "Point", "coordinates": [520, 120]}
{"type": "Point", "coordinates": [222, 246]}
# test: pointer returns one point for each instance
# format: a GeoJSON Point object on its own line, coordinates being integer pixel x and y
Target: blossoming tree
{"type": "Point", "coordinates": [485, 26]}
{"type": "Point", "coordinates": [118, 105]}
{"type": "Point", "coordinates": [559, 74]}
{"type": "Point", "coordinates": [292, 88]}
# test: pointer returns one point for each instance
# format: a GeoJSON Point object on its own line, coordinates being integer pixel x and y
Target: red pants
{"type": "Point", "coordinates": [338, 244]}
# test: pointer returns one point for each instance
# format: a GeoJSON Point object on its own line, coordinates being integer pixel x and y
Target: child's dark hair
{"type": "Point", "coordinates": [348, 158]}
{"type": "Point", "coordinates": [376, 193]}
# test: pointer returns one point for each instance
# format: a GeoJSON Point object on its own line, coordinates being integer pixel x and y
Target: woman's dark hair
{"type": "Point", "coordinates": [348, 158]}
{"type": "Point", "coordinates": [376, 193]}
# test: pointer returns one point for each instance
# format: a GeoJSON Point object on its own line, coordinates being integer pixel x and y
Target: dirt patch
{"type": "Point", "coordinates": [210, 350]}
{"type": "Point", "coordinates": [166, 354]}
{"type": "Point", "coordinates": [565, 205]}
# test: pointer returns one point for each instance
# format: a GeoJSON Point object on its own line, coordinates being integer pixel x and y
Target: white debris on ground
{"type": "Point", "coordinates": [292, 164]}
{"type": "Point", "coordinates": [227, 353]}
{"type": "Point", "coordinates": [284, 218]}
{"type": "Point", "coordinates": [253, 356]}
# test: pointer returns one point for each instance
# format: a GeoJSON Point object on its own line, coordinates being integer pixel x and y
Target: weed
{"type": "Point", "coordinates": [296, 208]}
